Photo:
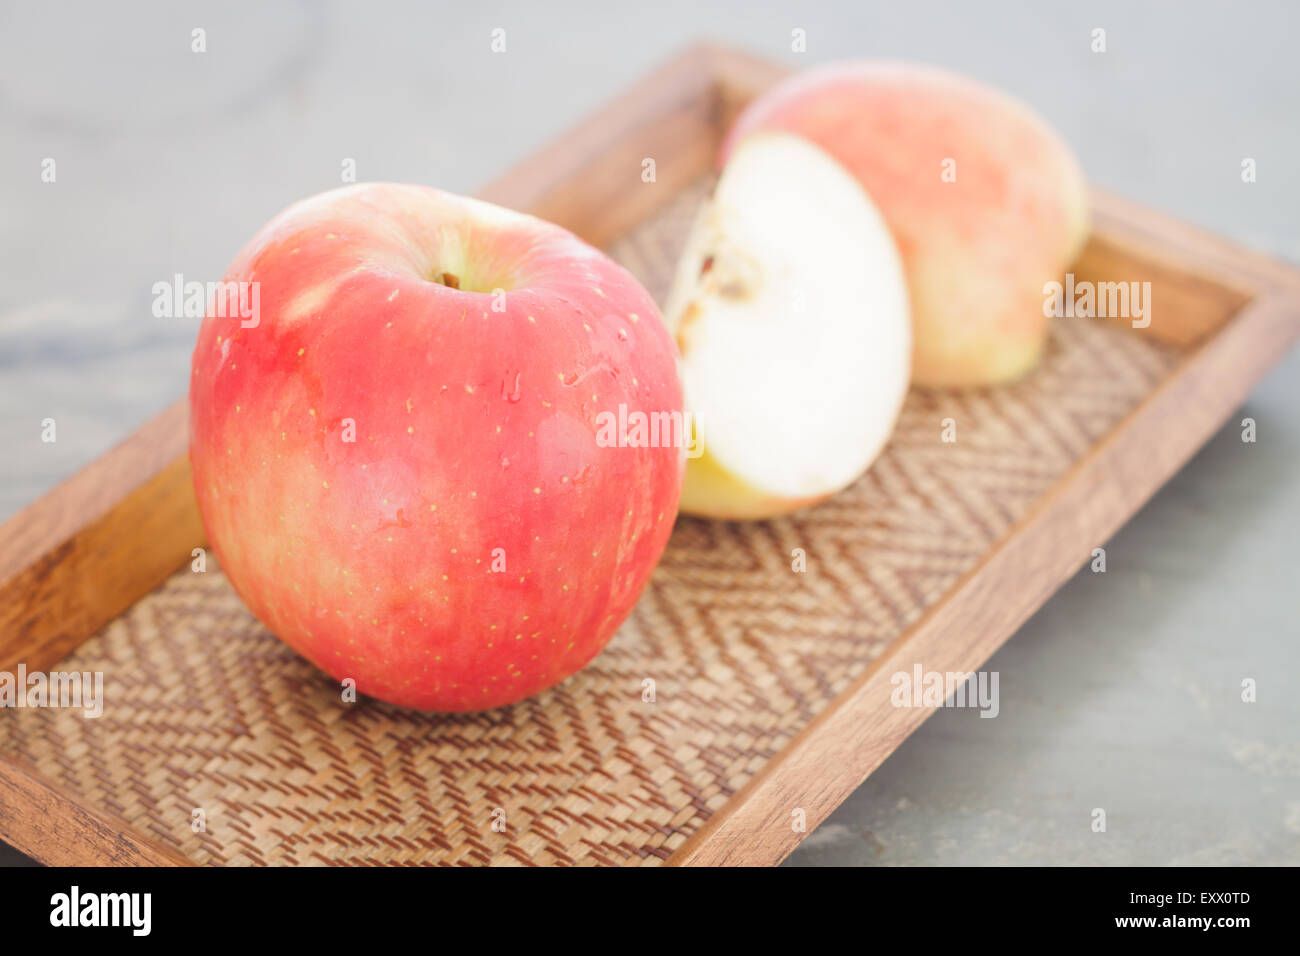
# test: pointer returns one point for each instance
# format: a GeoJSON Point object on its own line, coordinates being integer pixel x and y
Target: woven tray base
{"type": "Point", "coordinates": [206, 710]}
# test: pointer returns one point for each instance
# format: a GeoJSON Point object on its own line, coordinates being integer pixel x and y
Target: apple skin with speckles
{"type": "Point", "coordinates": [398, 460]}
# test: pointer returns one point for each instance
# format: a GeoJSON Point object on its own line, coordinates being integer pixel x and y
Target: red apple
{"type": "Point", "coordinates": [397, 461]}
{"type": "Point", "coordinates": [986, 202]}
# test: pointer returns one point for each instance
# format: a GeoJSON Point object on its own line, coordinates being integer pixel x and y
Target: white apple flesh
{"type": "Point", "coordinates": [790, 311]}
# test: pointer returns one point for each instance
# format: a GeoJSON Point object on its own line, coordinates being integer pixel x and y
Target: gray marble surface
{"type": "Point", "coordinates": [1123, 692]}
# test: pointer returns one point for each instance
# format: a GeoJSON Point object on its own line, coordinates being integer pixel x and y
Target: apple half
{"type": "Point", "coordinates": [790, 311]}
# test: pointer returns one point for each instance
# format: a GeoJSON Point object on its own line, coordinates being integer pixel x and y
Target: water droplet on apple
{"type": "Point", "coordinates": [510, 392]}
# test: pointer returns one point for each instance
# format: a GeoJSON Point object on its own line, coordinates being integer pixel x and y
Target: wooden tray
{"type": "Point", "coordinates": [772, 686]}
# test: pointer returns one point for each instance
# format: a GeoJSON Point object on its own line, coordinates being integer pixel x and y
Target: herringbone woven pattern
{"type": "Point", "coordinates": [206, 710]}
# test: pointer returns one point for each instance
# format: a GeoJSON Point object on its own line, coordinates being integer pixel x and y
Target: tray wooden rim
{"type": "Point", "coordinates": [55, 554]}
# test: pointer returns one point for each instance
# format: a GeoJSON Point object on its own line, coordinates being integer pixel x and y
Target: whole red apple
{"type": "Point", "coordinates": [397, 456]}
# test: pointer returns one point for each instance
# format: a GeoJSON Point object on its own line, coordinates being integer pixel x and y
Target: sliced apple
{"type": "Point", "coordinates": [790, 310]}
